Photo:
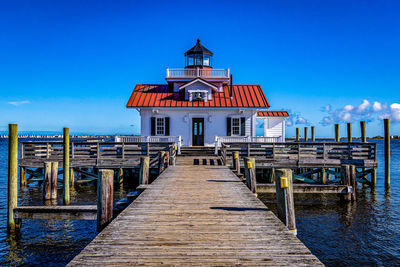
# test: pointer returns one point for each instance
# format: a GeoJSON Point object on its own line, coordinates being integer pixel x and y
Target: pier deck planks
{"type": "Point", "coordinates": [196, 215]}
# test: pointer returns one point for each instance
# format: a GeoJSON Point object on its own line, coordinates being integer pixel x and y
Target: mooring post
{"type": "Point", "coordinates": [297, 134]}
{"type": "Point", "coordinates": [144, 170]}
{"type": "Point", "coordinates": [346, 180]}
{"type": "Point", "coordinates": [305, 134]}
{"type": "Point", "coordinates": [54, 175]}
{"type": "Point", "coordinates": [47, 181]}
{"type": "Point", "coordinates": [161, 162]}
{"type": "Point", "coordinates": [363, 132]}
{"type": "Point", "coordinates": [349, 132]}
{"type": "Point", "coordinates": [272, 175]}
{"type": "Point", "coordinates": [387, 152]}
{"type": "Point", "coordinates": [166, 160]}
{"type": "Point", "coordinates": [12, 225]}
{"type": "Point", "coordinates": [105, 195]}
{"type": "Point", "coordinates": [236, 162]}
{"type": "Point", "coordinates": [337, 133]}
{"type": "Point", "coordinates": [72, 182]}
{"type": "Point", "coordinates": [323, 176]}
{"type": "Point", "coordinates": [284, 198]}
{"type": "Point", "coordinates": [250, 173]}
{"type": "Point", "coordinates": [120, 175]}
{"type": "Point", "coordinates": [353, 182]}
{"type": "Point", "coordinates": [313, 133]}
{"type": "Point", "coordinates": [66, 175]}
{"type": "Point", "coordinates": [22, 175]}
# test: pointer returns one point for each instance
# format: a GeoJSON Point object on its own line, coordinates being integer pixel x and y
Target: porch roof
{"type": "Point", "coordinates": [270, 113]}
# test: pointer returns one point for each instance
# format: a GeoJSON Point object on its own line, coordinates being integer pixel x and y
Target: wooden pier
{"type": "Point", "coordinates": [202, 215]}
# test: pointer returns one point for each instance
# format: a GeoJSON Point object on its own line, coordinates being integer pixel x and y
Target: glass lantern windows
{"type": "Point", "coordinates": [190, 60]}
{"type": "Point", "coordinates": [198, 60]}
{"type": "Point", "coordinates": [206, 60]}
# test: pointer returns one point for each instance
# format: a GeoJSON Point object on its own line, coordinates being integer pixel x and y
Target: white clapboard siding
{"type": "Point", "coordinates": [274, 127]}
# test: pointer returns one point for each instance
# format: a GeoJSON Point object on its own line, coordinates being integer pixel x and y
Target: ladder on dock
{"type": "Point", "coordinates": [201, 215]}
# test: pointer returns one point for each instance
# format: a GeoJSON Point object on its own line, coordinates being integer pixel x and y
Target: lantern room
{"type": "Point", "coordinates": [198, 57]}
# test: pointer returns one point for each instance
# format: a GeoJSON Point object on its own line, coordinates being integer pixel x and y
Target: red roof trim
{"type": "Point", "coordinates": [271, 113]}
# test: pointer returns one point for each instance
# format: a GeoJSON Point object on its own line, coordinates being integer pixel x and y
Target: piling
{"type": "Point", "coordinates": [347, 179]}
{"type": "Point", "coordinates": [161, 162]}
{"type": "Point", "coordinates": [297, 135]}
{"type": "Point", "coordinates": [54, 175]}
{"type": "Point", "coordinates": [337, 133]}
{"type": "Point", "coordinates": [363, 131]}
{"type": "Point", "coordinates": [349, 132]}
{"type": "Point", "coordinates": [305, 134]}
{"type": "Point", "coordinates": [236, 162]}
{"type": "Point", "coordinates": [66, 175]}
{"type": "Point", "coordinates": [250, 173]}
{"type": "Point", "coordinates": [72, 181]}
{"type": "Point", "coordinates": [105, 195]}
{"type": "Point", "coordinates": [22, 177]}
{"type": "Point", "coordinates": [353, 181]}
{"type": "Point", "coordinates": [144, 170]}
{"type": "Point", "coordinates": [313, 133]}
{"type": "Point", "coordinates": [387, 152]}
{"type": "Point", "coordinates": [12, 225]}
{"type": "Point", "coordinates": [284, 198]}
{"type": "Point", "coordinates": [47, 181]}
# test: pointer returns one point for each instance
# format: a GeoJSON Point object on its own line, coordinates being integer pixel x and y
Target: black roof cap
{"type": "Point", "coordinates": [198, 49]}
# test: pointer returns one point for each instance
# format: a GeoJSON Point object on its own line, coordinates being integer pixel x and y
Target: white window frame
{"type": "Point", "coordinates": [232, 126]}
{"type": "Point", "coordinates": [163, 126]}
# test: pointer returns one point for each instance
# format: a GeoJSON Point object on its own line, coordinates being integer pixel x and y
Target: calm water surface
{"type": "Point", "coordinates": [363, 233]}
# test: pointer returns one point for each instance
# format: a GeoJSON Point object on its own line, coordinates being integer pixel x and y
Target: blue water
{"type": "Point", "coordinates": [366, 232]}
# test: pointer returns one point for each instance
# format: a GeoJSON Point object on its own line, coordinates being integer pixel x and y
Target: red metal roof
{"type": "Point", "coordinates": [157, 95]}
{"type": "Point", "coordinates": [271, 113]}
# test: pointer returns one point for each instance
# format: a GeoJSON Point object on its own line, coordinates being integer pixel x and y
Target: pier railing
{"type": "Point", "coordinates": [151, 139]}
{"type": "Point", "coordinates": [305, 153]}
{"type": "Point", "coordinates": [193, 73]}
{"type": "Point", "coordinates": [85, 152]}
{"type": "Point", "coordinates": [244, 139]}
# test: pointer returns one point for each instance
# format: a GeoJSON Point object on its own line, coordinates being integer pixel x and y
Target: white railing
{"type": "Point", "coordinates": [151, 139]}
{"type": "Point", "coordinates": [202, 73]}
{"type": "Point", "coordinates": [244, 139]}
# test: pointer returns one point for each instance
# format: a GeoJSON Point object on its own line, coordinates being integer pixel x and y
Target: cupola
{"type": "Point", "coordinates": [198, 57]}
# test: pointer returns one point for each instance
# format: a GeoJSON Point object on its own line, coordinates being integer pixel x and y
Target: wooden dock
{"type": "Point", "coordinates": [196, 215]}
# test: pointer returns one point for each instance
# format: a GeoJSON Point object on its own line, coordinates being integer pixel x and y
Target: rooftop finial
{"type": "Point", "coordinates": [198, 40]}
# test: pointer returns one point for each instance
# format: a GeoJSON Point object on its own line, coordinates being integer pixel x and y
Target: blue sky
{"type": "Point", "coordinates": [74, 63]}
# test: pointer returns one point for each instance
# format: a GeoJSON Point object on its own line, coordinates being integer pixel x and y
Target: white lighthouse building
{"type": "Point", "coordinates": [202, 106]}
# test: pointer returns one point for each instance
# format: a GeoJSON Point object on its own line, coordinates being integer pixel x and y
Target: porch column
{"type": "Point", "coordinates": [265, 127]}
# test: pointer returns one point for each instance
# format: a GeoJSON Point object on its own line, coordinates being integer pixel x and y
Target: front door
{"type": "Point", "coordinates": [198, 132]}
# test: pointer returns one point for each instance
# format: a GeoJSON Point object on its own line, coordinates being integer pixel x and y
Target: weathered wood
{"type": "Point", "coordinates": [54, 180]}
{"type": "Point", "coordinates": [284, 198]}
{"type": "Point", "coordinates": [72, 176]}
{"type": "Point", "coordinates": [86, 212]}
{"type": "Point", "coordinates": [305, 134]}
{"type": "Point", "coordinates": [363, 131]}
{"type": "Point", "coordinates": [105, 196]}
{"type": "Point", "coordinates": [305, 189]}
{"type": "Point", "coordinates": [12, 225]}
{"type": "Point", "coordinates": [346, 180]}
{"type": "Point", "coordinates": [196, 216]}
{"type": "Point", "coordinates": [66, 167]}
{"type": "Point", "coordinates": [387, 152]}
{"type": "Point", "coordinates": [47, 181]}
{"type": "Point", "coordinates": [22, 177]}
{"type": "Point", "coordinates": [236, 162]}
{"type": "Point", "coordinates": [313, 133]}
{"type": "Point", "coordinates": [250, 173]}
{"type": "Point", "coordinates": [297, 134]}
{"type": "Point", "coordinates": [337, 133]}
{"type": "Point", "coordinates": [144, 170]}
{"type": "Point", "coordinates": [349, 132]}
{"type": "Point", "coordinates": [373, 178]}
{"type": "Point", "coordinates": [161, 162]}
{"type": "Point", "coordinates": [353, 182]}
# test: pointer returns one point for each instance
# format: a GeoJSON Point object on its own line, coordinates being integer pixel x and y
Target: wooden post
{"type": "Point", "coordinates": [120, 175]}
{"type": "Point", "coordinates": [161, 162]}
{"type": "Point", "coordinates": [250, 173]}
{"type": "Point", "coordinates": [236, 162]}
{"type": "Point", "coordinates": [313, 133]}
{"type": "Point", "coordinates": [346, 180]}
{"type": "Point", "coordinates": [284, 198]}
{"type": "Point", "coordinates": [305, 134]}
{"type": "Point", "coordinates": [363, 132]}
{"type": "Point", "coordinates": [373, 178]}
{"type": "Point", "coordinates": [22, 174]}
{"type": "Point", "coordinates": [353, 182]}
{"type": "Point", "coordinates": [297, 135]}
{"type": "Point", "coordinates": [323, 176]}
{"type": "Point", "coordinates": [273, 175]}
{"type": "Point", "coordinates": [72, 181]}
{"type": "Point", "coordinates": [349, 132]}
{"type": "Point", "coordinates": [105, 196]}
{"type": "Point", "coordinates": [12, 225]}
{"type": "Point", "coordinates": [144, 170]}
{"type": "Point", "coordinates": [47, 181]}
{"type": "Point", "coordinates": [54, 174]}
{"type": "Point", "coordinates": [66, 175]}
{"type": "Point", "coordinates": [387, 152]}
{"type": "Point", "coordinates": [337, 133]}
{"type": "Point", "coordinates": [166, 160]}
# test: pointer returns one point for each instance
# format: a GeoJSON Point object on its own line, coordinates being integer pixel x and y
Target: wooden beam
{"type": "Point", "coordinates": [236, 162]}
{"type": "Point", "coordinates": [305, 189]}
{"type": "Point", "coordinates": [284, 198]}
{"type": "Point", "coordinates": [387, 152]}
{"type": "Point", "coordinates": [250, 173]}
{"type": "Point", "coordinates": [313, 133]}
{"type": "Point", "coordinates": [66, 174]}
{"type": "Point", "coordinates": [105, 197]}
{"type": "Point", "coordinates": [144, 170]}
{"type": "Point", "coordinates": [12, 225]}
{"type": "Point", "coordinates": [85, 212]}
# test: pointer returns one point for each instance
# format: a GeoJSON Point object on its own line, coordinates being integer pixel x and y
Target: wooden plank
{"type": "Point", "coordinates": [196, 215]}
{"type": "Point", "coordinates": [86, 212]}
{"type": "Point", "coordinates": [305, 189]}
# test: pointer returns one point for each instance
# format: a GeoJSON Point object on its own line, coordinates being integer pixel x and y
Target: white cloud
{"type": "Point", "coordinates": [395, 112]}
{"type": "Point", "coordinates": [377, 106]}
{"type": "Point", "coordinates": [18, 103]}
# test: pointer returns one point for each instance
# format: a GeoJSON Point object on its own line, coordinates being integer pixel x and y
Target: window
{"type": "Point", "coordinates": [160, 126]}
{"type": "Point", "coordinates": [190, 60]}
{"type": "Point", "coordinates": [199, 59]}
{"type": "Point", "coordinates": [206, 60]}
{"type": "Point", "coordinates": [235, 126]}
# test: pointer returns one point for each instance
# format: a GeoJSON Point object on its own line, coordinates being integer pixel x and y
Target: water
{"type": "Point", "coordinates": [339, 234]}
